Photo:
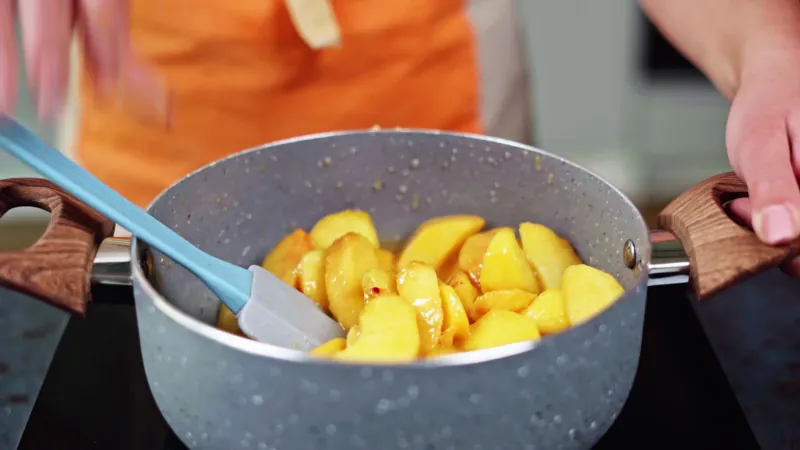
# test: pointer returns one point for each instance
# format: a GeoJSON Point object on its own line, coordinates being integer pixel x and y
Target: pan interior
{"type": "Point", "coordinates": [238, 208]}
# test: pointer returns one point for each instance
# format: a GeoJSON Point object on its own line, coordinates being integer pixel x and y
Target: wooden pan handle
{"type": "Point", "coordinates": [55, 269]}
{"type": "Point", "coordinates": [721, 252]}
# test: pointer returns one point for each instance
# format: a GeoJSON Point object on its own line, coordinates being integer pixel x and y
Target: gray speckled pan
{"type": "Point", "coordinates": [220, 391]}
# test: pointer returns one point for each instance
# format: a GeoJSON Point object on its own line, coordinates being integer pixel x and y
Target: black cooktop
{"type": "Point", "coordinates": [95, 395]}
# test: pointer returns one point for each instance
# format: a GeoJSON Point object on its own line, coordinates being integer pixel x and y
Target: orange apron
{"type": "Point", "coordinates": [240, 76]}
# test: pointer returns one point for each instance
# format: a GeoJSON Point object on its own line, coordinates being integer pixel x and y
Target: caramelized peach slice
{"type": "Point", "coordinates": [333, 226]}
{"type": "Point", "coordinates": [470, 258]}
{"type": "Point", "coordinates": [330, 348]}
{"type": "Point", "coordinates": [465, 290]}
{"type": "Point", "coordinates": [417, 283]}
{"type": "Point", "coordinates": [549, 311]}
{"type": "Point", "coordinates": [352, 335]}
{"type": "Point", "coordinates": [505, 266]}
{"type": "Point", "coordinates": [283, 260]}
{"type": "Point", "coordinates": [226, 321]}
{"type": "Point", "coordinates": [436, 240]}
{"type": "Point", "coordinates": [388, 333]}
{"type": "Point", "coordinates": [311, 277]}
{"type": "Point", "coordinates": [455, 325]}
{"type": "Point", "coordinates": [514, 300]}
{"type": "Point", "coordinates": [549, 254]}
{"type": "Point", "coordinates": [347, 260]}
{"type": "Point", "coordinates": [500, 327]}
{"type": "Point", "coordinates": [385, 259]}
{"type": "Point", "coordinates": [377, 282]}
{"type": "Point", "coordinates": [588, 292]}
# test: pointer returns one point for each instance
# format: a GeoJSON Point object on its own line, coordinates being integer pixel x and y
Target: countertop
{"type": "Point", "coordinates": [754, 329]}
{"type": "Point", "coordinates": [95, 397]}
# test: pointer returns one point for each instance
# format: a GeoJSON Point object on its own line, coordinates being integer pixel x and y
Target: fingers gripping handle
{"type": "Point", "coordinates": [721, 252]}
{"type": "Point", "coordinates": [57, 268]}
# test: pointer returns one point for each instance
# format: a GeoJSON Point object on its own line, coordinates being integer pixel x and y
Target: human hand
{"type": "Point", "coordinates": [763, 140]}
{"type": "Point", "coordinates": [46, 29]}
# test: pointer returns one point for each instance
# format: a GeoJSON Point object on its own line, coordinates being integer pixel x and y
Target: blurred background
{"type": "Point", "coordinates": [607, 91]}
{"type": "Point", "coordinates": [611, 94]}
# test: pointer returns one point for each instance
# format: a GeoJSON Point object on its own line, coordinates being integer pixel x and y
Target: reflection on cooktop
{"type": "Point", "coordinates": [96, 396]}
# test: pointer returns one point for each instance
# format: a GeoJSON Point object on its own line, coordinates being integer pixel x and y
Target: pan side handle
{"type": "Point", "coordinates": [57, 268]}
{"type": "Point", "coordinates": [721, 252]}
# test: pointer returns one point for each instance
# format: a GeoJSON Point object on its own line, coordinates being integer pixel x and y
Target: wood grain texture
{"type": "Point", "coordinates": [721, 252]}
{"type": "Point", "coordinates": [57, 268]}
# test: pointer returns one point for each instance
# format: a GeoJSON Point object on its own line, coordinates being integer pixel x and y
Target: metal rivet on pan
{"type": "Point", "coordinates": [629, 254]}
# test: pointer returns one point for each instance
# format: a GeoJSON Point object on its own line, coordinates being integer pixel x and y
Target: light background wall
{"type": "Point", "coordinates": [592, 105]}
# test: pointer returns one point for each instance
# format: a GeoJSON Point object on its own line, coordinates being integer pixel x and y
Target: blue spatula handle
{"type": "Point", "coordinates": [229, 282]}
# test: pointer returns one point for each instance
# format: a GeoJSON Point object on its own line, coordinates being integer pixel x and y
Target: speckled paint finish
{"type": "Point", "coordinates": [222, 392]}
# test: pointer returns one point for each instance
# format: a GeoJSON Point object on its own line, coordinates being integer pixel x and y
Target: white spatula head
{"type": "Point", "coordinates": [280, 315]}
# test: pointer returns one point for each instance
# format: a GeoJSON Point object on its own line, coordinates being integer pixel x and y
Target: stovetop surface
{"type": "Point", "coordinates": [95, 395]}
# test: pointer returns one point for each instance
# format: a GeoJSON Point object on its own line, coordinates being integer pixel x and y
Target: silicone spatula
{"type": "Point", "coordinates": [267, 309]}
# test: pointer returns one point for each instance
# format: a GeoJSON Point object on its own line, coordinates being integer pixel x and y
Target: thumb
{"type": "Point", "coordinates": [763, 160]}
{"type": "Point", "coordinates": [742, 209]}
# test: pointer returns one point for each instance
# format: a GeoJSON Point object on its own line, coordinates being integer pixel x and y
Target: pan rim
{"type": "Point", "coordinates": [297, 356]}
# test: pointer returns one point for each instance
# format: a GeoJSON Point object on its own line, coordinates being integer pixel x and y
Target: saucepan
{"type": "Point", "coordinates": [221, 391]}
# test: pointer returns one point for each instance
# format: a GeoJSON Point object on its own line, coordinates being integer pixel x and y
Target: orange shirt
{"type": "Point", "coordinates": [240, 76]}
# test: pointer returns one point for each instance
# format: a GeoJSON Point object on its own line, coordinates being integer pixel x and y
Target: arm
{"type": "Point", "coordinates": [718, 35]}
